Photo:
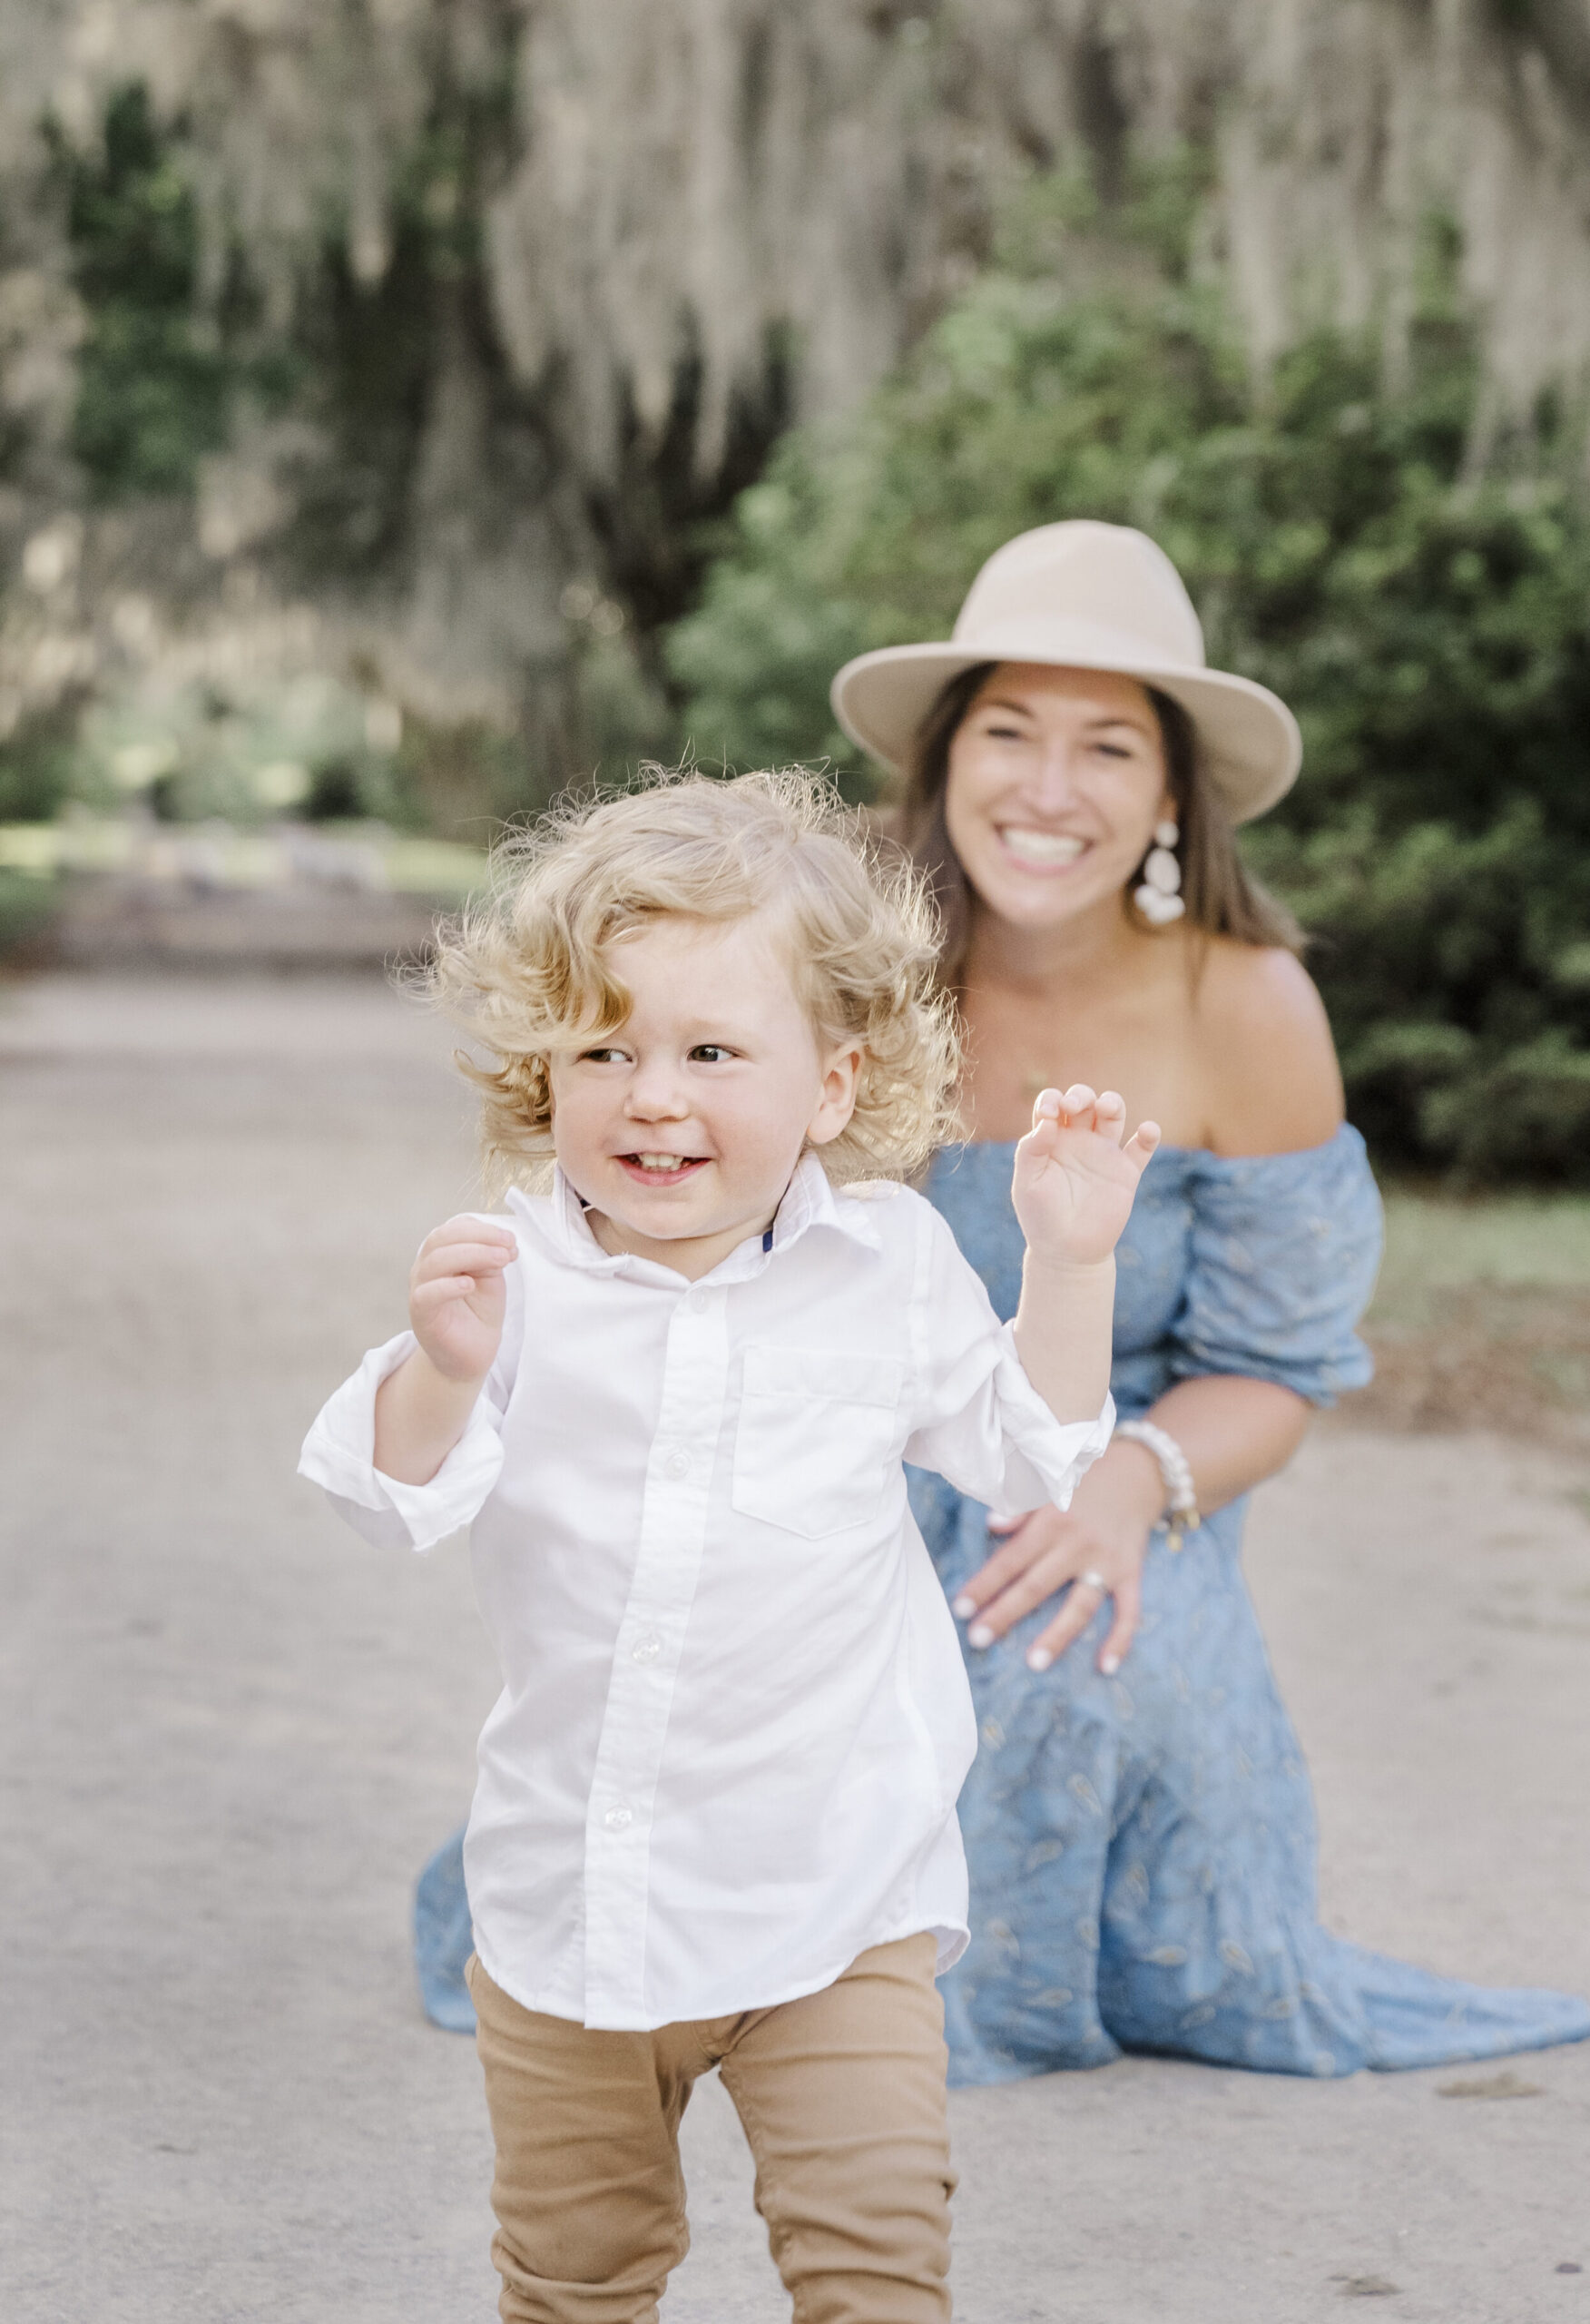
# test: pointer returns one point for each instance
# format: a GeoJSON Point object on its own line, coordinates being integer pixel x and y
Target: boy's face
{"type": "Point", "coordinates": [682, 1129]}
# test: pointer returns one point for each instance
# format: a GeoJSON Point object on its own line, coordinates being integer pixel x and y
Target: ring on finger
{"type": "Point", "coordinates": [1092, 1580]}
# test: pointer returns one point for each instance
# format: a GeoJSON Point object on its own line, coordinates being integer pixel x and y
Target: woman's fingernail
{"type": "Point", "coordinates": [979, 1635]}
{"type": "Point", "coordinates": [1110, 1665]}
{"type": "Point", "coordinates": [1039, 1658]}
{"type": "Point", "coordinates": [961, 1607]}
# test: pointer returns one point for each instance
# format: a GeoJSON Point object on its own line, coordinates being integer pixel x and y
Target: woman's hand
{"type": "Point", "coordinates": [1074, 1180]}
{"type": "Point", "coordinates": [1104, 1533]}
{"type": "Point", "coordinates": [457, 1297]}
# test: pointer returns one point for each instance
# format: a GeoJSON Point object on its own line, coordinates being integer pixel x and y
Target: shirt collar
{"type": "Point", "coordinates": [810, 1202]}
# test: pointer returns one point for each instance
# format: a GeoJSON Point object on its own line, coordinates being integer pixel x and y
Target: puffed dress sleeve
{"type": "Point", "coordinates": [1283, 1253]}
{"type": "Point", "coordinates": [977, 1419]}
{"type": "Point", "coordinates": [339, 1453]}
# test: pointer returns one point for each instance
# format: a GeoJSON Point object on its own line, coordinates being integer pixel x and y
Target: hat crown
{"type": "Point", "coordinates": [1080, 575]}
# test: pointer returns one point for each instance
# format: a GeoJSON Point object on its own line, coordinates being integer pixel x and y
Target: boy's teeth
{"type": "Point", "coordinates": [663, 1161]}
{"type": "Point", "coordinates": [1041, 847]}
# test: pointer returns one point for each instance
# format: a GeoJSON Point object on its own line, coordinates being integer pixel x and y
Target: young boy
{"type": "Point", "coordinates": [715, 1818]}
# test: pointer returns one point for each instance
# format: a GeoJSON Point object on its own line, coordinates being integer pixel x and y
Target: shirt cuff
{"type": "Point", "coordinates": [1047, 1456]}
{"type": "Point", "coordinates": [338, 1455]}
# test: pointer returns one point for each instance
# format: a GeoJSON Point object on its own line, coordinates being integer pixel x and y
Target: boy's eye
{"type": "Point", "coordinates": [601, 1057]}
{"type": "Point", "coordinates": [710, 1053]}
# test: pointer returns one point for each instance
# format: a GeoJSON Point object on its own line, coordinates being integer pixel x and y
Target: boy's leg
{"type": "Point", "coordinates": [588, 2191]}
{"type": "Point", "coordinates": [842, 2097]}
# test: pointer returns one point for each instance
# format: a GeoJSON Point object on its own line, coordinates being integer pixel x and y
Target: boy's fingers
{"type": "Point", "coordinates": [466, 1229]}
{"type": "Point", "coordinates": [458, 1258]}
{"type": "Point", "coordinates": [1064, 1106]}
{"type": "Point", "coordinates": [1144, 1143]}
{"type": "Point", "coordinates": [1110, 1114]}
{"type": "Point", "coordinates": [440, 1291]}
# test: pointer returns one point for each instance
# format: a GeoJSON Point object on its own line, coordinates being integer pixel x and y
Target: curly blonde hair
{"type": "Point", "coordinates": [532, 967]}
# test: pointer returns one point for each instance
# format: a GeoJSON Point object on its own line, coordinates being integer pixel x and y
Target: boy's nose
{"type": "Point", "coordinates": [655, 1095]}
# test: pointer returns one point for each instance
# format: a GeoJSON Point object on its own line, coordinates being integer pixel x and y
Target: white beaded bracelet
{"type": "Point", "coordinates": [1180, 1510]}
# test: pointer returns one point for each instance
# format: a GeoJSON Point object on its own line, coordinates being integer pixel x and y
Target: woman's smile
{"type": "Point", "coordinates": [1036, 850]}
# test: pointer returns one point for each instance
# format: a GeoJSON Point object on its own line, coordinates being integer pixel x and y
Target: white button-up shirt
{"type": "Point", "coordinates": [734, 1716]}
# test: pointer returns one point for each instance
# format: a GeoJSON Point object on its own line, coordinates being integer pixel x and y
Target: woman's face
{"type": "Point", "coordinates": [1056, 780]}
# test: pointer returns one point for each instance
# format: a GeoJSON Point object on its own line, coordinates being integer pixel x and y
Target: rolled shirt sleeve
{"type": "Point", "coordinates": [338, 1455]}
{"type": "Point", "coordinates": [981, 1423]}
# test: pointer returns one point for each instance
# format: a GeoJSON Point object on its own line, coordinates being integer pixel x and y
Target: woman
{"type": "Point", "coordinates": [1138, 1823]}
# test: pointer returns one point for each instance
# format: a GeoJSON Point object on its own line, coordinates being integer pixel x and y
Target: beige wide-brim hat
{"type": "Point", "coordinates": [1084, 596]}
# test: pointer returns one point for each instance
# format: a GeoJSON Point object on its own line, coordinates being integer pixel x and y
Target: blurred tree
{"type": "Point", "coordinates": [152, 384]}
{"type": "Point", "coordinates": [1425, 612]}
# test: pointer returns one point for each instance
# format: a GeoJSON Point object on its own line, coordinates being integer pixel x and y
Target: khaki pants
{"type": "Point", "coordinates": [842, 2098]}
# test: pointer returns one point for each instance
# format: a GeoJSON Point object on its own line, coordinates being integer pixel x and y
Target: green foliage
{"type": "Point", "coordinates": [153, 386]}
{"type": "Point", "coordinates": [26, 904]}
{"type": "Point", "coordinates": [270, 746]}
{"type": "Point", "coordinates": [1430, 627]}
{"type": "Point", "coordinates": [38, 763]}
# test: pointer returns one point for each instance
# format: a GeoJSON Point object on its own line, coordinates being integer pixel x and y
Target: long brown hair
{"type": "Point", "coordinates": [1221, 895]}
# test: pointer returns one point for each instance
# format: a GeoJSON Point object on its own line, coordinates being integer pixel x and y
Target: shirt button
{"type": "Point", "coordinates": [647, 1649]}
{"type": "Point", "coordinates": [618, 1819]}
{"type": "Point", "coordinates": [696, 1301]}
{"type": "Point", "coordinates": [676, 1465]}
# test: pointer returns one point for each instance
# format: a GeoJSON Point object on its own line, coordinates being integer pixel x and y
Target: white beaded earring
{"type": "Point", "coordinates": [1159, 899]}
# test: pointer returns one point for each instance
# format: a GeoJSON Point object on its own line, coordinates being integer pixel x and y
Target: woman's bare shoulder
{"type": "Point", "coordinates": [1269, 1063]}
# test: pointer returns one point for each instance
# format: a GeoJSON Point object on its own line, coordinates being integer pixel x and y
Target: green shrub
{"type": "Point", "coordinates": [38, 765]}
{"type": "Point", "coordinates": [1428, 615]}
{"type": "Point", "coordinates": [26, 905]}
{"type": "Point", "coordinates": [153, 390]}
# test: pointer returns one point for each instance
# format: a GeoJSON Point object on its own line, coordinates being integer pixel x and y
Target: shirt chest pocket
{"type": "Point", "coordinates": [817, 1438]}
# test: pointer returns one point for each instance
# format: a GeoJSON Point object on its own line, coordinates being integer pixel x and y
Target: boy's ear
{"type": "Point", "coordinates": [842, 1076]}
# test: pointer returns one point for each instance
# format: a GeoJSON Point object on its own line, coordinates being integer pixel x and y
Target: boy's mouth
{"type": "Point", "coordinates": [654, 1169]}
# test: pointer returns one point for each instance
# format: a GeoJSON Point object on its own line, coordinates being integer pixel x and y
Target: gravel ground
{"type": "Point", "coordinates": [233, 1732]}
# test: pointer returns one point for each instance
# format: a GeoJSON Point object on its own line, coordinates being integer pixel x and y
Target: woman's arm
{"type": "Point", "coordinates": [1270, 1085]}
{"type": "Point", "coordinates": [1234, 1432]}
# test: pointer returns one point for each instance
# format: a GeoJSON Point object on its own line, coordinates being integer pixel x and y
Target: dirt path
{"type": "Point", "coordinates": [232, 1732]}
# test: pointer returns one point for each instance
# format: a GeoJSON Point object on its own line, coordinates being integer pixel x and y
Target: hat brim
{"type": "Point", "coordinates": [1250, 746]}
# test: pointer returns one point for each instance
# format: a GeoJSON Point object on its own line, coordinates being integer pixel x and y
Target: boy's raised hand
{"type": "Point", "coordinates": [1074, 1180]}
{"type": "Point", "coordinates": [457, 1296]}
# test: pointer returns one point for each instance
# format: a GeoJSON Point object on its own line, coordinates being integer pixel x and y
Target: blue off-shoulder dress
{"type": "Point", "coordinates": [1142, 1848]}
